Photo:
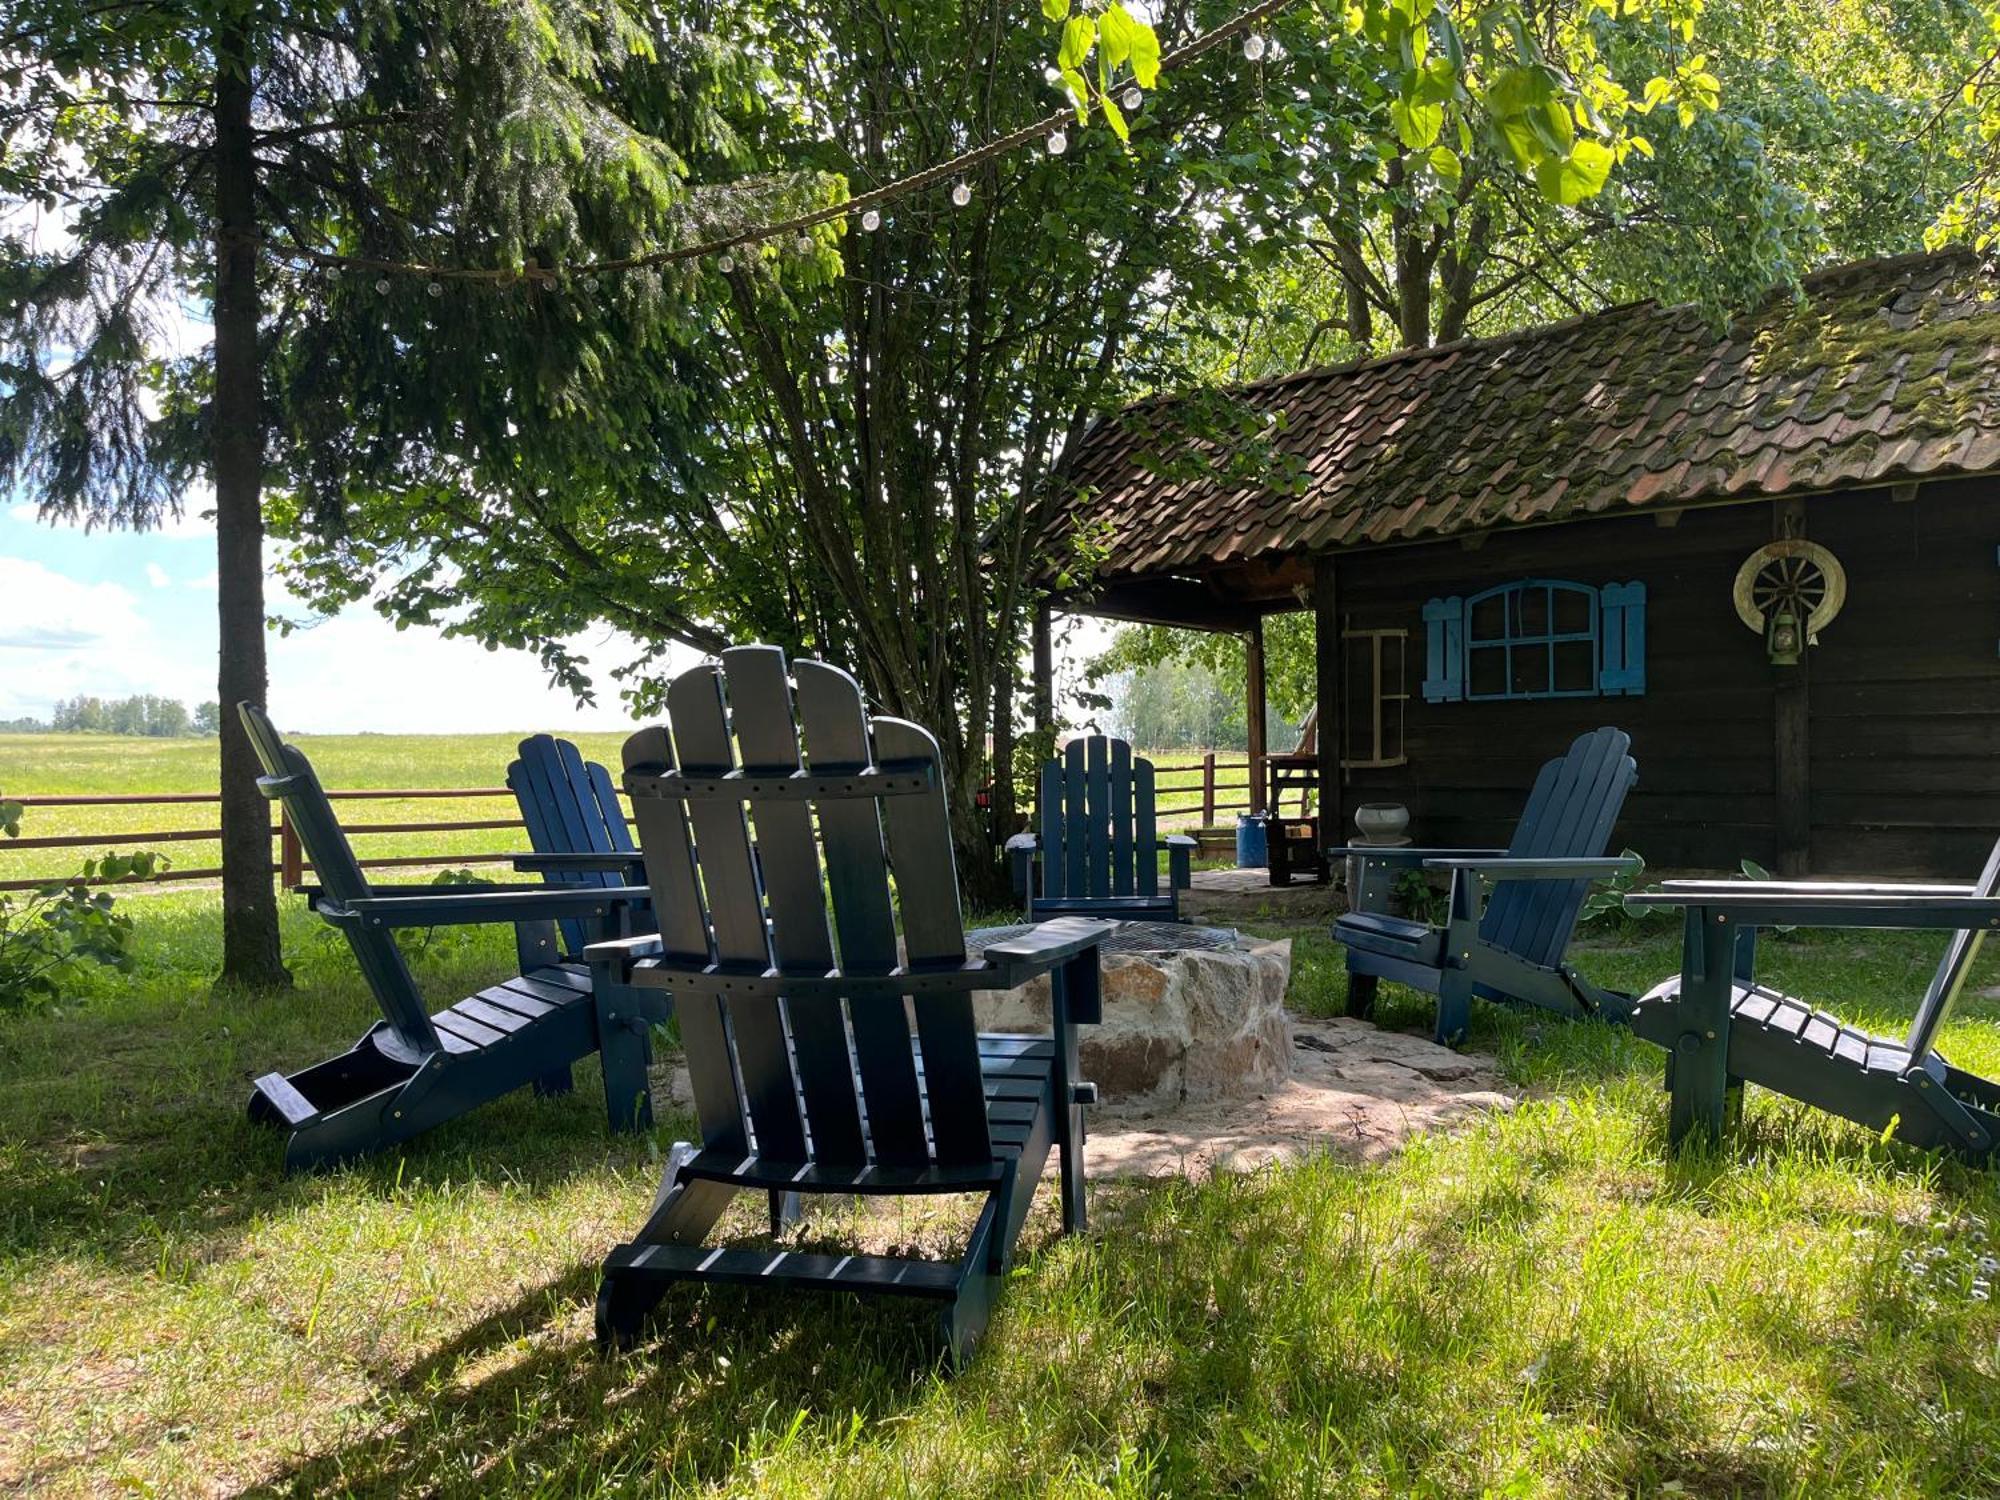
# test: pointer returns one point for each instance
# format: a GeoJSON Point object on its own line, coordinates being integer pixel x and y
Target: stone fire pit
{"type": "Point", "coordinates": [1191, 1015]}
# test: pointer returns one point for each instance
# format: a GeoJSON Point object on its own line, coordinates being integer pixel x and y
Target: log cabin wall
{"type": "Point", "coordinates": [1904, 687]}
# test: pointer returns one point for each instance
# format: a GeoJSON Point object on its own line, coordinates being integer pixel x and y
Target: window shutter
{"type": "Point", "coordinates": [1444, 650]}
{"type": "Point", "coordinates": [1622, 621]}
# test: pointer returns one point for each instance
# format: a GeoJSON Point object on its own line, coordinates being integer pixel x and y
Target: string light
{"type": "Point", "coordinates": [1050, 130]}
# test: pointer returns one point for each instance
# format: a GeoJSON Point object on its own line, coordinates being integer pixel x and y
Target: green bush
{"type": "Point", "coordinates": [51, 935]}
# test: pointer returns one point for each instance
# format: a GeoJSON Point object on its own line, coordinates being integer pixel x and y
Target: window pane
{"type": "Point", "coordinates": [1488, 621]}
{"type": "Point", "coordinates": [1576, 667]}
{"type": "Point", "coordinates": [1486, 672]}
{"type": "Point", "coordinates": [1530, 670]}
{"type": "Point", "coordinates": [1531, 613]}
{"type": "Point", "coordinates": [1572, 610]}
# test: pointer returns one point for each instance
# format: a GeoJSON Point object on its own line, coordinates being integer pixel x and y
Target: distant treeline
{"type": "Point", "coordinates": [143, 714]}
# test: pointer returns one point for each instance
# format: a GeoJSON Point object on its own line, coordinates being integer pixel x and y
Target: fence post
{"type": "Point", "coordinates": [291, 858]}
{"type": "Point", "coordinates": [1208, 790]}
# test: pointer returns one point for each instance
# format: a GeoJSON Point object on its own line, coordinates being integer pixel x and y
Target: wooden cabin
{"type": "Point", "coordinates": [1771, 552]}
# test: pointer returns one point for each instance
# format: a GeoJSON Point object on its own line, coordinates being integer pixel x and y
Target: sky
{"type": "Point", "coordinates": [112, 613]}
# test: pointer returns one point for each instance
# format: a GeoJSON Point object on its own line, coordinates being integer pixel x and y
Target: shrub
{"type": "Point", "coordinates": [51, 935]}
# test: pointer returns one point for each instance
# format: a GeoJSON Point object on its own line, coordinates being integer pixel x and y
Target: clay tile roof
{"type": "Point", "coordinates": [1873, 372]}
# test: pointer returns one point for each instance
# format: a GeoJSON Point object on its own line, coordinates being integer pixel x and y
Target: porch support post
{"type": "Point", "coordinates": [1332, 725]}
{"type": "Point", "coordinates": [1253, 708]}
{"type": "Point", "coordinates": [1791, 703]}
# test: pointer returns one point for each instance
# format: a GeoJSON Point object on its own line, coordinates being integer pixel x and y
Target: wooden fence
{"type": "Point", "coordinates": [290, 863]}
{"type": "Point", "coordinates": [1215, 797]}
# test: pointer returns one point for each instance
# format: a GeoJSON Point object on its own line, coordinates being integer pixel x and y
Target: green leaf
{"type": "Point", "coordinates": [1114, 30]}
{"type": "Point", "coordinates": [1579, 175]}
{"type": "Point", "coordinates": [1444, 161]}
{"type": "Point", "coordinates": [1417, 125]}
{"type": "Point", "coordinates": [1055, 10]}
{"type": "Point", "coordinates": [1078, 37]}
{"type": "Point", "coordinates": [1145, 57]}
{"type": "Point", "coordinates": [1114, 117]}
{"type": "Point", "coordinates": [1079, 93]}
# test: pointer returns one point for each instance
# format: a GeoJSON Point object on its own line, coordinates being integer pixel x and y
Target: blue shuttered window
{"type": "Point", "coordinates": [1444, 650]}
{"type": "Point", "coordinates": [1623, 669]}
{"type": "Point", "coordinates": [1539, 638]}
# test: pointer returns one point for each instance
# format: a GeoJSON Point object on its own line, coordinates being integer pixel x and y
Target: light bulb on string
{"type": "Point", "coordinates": [1133, 98]}
{"type": "Point", "coordinates": [1253, 46]}
{"type": "Point", "coordinates": [436, 288]}
{"type": "Point", "coordinates": [725, 263]}
{"type": "Point", "coordinates": [381, 286]}
{"type": "Point", "coordinates": [1058, 143]}
{"type": "Point", "coordinates": [871, 220]}
{"type": "Point", "coordinates": [803, 244]}
{"type": "Point", "coordinates": [961, 194]}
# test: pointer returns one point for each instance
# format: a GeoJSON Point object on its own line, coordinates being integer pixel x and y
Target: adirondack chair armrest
{"type": "Point", "coordinates": [1045, 945]}
{"type": "Point", "coordinates": [1180, 855]}
{"type": "Point", "coordinates": [1390, 854]}
{"type": "Point", "coordinates": [1504, 868]}
{"type": "Point", "coordinates": [449, 908]}
{"type": "Point", "coordinates": [1695, 887]}
{"type": "Point", "coordinates": [622, 954]}
{"type": "Point", "coordinates": [1749, 906]}
{"type": "Point", "coordinates": [587, 861]}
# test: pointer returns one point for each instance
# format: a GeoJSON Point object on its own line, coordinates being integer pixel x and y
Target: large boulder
{"type": "Point", "coordinates": [1179, 1027]}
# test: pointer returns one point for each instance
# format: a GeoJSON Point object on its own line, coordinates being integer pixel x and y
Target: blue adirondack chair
{"type": "Point", "coordinates": [806, 1072]}
{"type": "Point", "coordinates": [414, 1069]}
{"type": "Point", "coordinates": [575, 826]}
{"type": "Point", "coordinates": [1508, 946]}
{"type": "Point", "coordinates": [1721, 1028]}
{"type": "Point", "coordinates": [1098, 853]}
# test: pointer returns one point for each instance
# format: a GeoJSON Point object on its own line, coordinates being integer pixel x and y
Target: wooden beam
{"type": "Point", "coordinates": [1667, 520]}
{"type": "Point", "coordinates": [1903, 494]}
{"type": "Point", "coordinates": [1253, 708]}
{"type": "Point", "coordinates": [1166, 601]}
{"type": "Point", "coordinates": [1792, 738]}
{"type": "Point", "coordinates": [1332, 719]}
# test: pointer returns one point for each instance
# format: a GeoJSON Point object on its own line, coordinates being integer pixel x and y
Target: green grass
{"type": "Point", "coordinates": [1546, 1303]}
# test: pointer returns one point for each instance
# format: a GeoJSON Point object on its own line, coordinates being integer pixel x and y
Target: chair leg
{"type": "Point", "coordinates": [1454, 1007]}
{"type": "Point", "coordinates": [786, 1210]}
{"type": "Point", "coordinates": [554, 1082]}
{"type": "Point", "coordinates": [623, 1045]}
{"type": "Point", "coordinates": [1361, 995]}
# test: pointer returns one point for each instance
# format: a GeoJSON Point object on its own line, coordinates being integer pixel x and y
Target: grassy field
{"type": "Point", "coordinates": [1545, 1303]}
{"type": "Point", "coordinates": [76, 764]}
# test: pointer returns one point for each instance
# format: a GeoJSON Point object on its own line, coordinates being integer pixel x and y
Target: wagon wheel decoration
{"type": "Point", "coordinates": [1792, 576]}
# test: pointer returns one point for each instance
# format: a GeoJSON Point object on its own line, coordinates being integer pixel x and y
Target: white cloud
{"type": "Point", "coordinates": [157, 576]}
{"type": "Point", "coordinates": [60, 637]}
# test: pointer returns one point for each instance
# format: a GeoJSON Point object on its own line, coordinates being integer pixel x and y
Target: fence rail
{"type": "Point", "coordinates": [1172, 783]}
{"type": "Point", "coordinates": [291, 864]}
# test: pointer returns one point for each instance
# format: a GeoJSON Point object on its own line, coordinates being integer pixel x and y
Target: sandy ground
{"type": "Point", "coordinates": [1355, 1089]}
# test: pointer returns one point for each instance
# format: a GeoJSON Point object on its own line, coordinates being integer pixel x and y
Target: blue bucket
{"type": "Point", "coordinates": [1252, 853]}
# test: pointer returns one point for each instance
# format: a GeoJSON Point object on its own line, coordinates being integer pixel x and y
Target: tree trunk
{"type": "Point", "coordinates": [250, 952]}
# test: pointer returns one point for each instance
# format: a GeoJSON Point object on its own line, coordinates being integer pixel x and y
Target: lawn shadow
{"type": "Point", "coordinates": [711, 1361]}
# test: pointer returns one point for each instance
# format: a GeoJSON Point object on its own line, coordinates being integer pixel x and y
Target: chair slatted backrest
{"type": "Point", "coordinates": [569, 806]}
{"type": "Point", "coordinates": [744, 883]}
{"type": "Point", "coordinates": [1949, 981]}
{"type": "Point", "coordinates": [289, 776]}
{"type": "Point", "coordinates": [1570, 814]}
{"type": "Point", "coordinates": [1100, 832]}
